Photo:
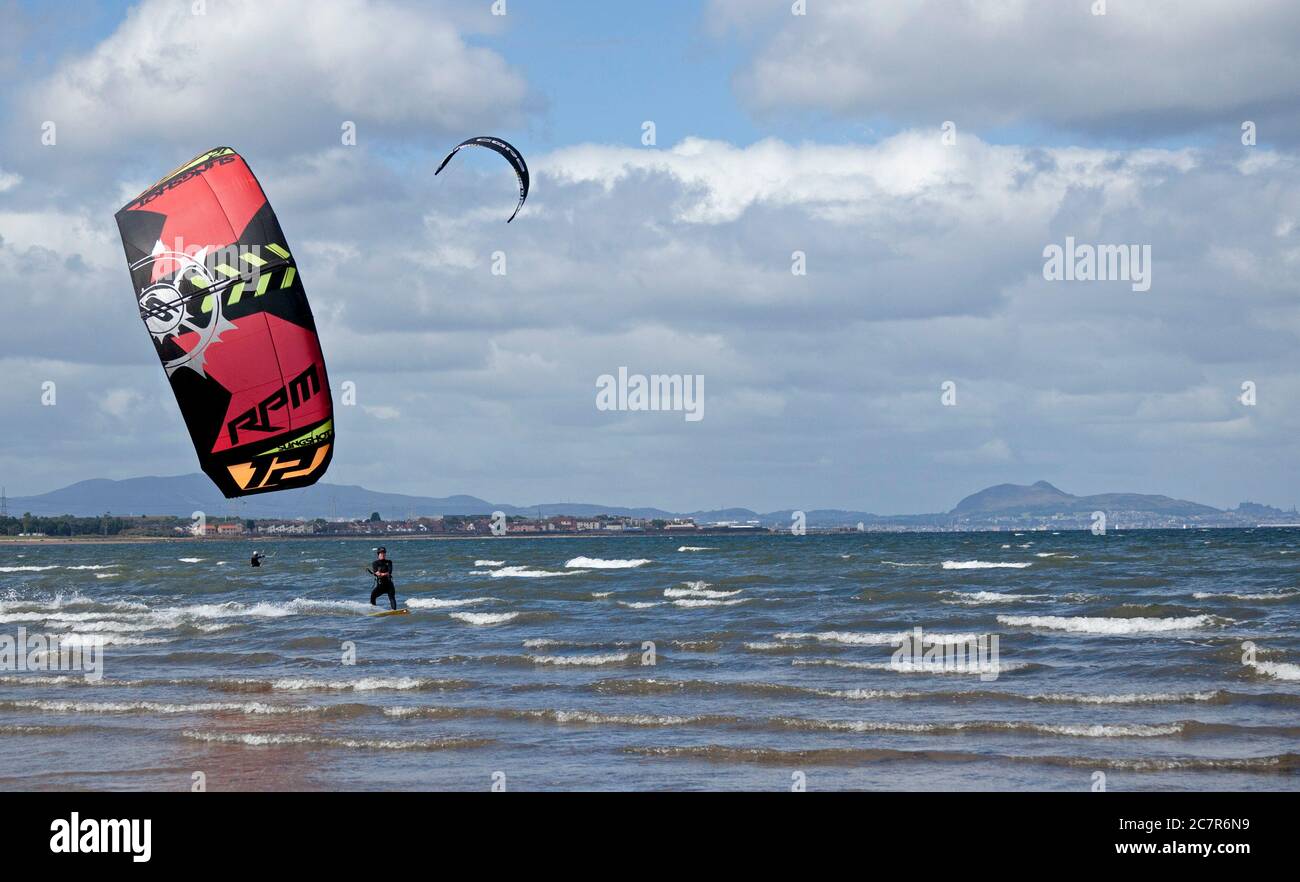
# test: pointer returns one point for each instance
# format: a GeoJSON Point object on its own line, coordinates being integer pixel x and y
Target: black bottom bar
{"type": "Point", "coordinates": [654, 831]}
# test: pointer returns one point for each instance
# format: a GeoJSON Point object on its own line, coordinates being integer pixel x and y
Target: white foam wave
{"type": "Point", "coordinates": [925, 666]}
{"type": "Point", "coordinates": [526, 573]}
{"type": "Point", "coordinates": [438, 603]}
{"type": "Point", "coordinates": [485, 618]}
{"type": "Point", "coordinates": [688, 603]}
{"type": "Point", "coordinates": [1096, 730]}
{"type": "Point", "coordinates": [611, 658]}
{"type": "Point", "coordinates": [983, 565]}
{"type": "Point", "coordinates": [276, 739]}
{"type": "Point", "coordinates": [1267, 595]}
{"type": "Point", "coordinates": [858, 638]}
{"type": "Point", "coordinates": [866, 694]}
{"type": "Point", "coordinates": [975, 598]}
{"type": "Point", "coordinates": [596, 563]}
{"type": "Point", "coordinates": [361, 684]}
{"type": "Point", "coordinates": [1100, 625]}
{"type": "Point", "coordinates": [108, 639]}
{"type": "Point", "coordinates": [562, 716]}
{"type": "Point", "coordinates": [1123, 698]}
{"type": "Point", "coordinates": [699, 589]}
{"type": "Point", "coordinates": [1278, 670]}
{"type": "Point", "coordinates": [156, 707]}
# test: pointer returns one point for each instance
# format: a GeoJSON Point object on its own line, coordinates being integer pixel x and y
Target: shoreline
{"type": "Point", "coordinates": [27, 541]}
{"type": "Point", "coordinates": [292, 537]}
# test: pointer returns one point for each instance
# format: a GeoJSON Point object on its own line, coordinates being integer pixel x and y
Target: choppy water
{"type": "Point", "coordinates": [1119, 654]}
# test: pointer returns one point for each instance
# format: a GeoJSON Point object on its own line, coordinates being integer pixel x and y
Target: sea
{"type": "Point", "coordinates": [1036, 660]}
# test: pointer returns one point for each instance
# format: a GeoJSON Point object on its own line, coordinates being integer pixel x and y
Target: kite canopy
{"type": "Point", "coordinates": [513, 156]}
{"type": "Point", "coordinates": [218, 290]}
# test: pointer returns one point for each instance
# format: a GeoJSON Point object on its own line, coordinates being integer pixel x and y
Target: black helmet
{"type": "Point", "coordinates": [381, 550]}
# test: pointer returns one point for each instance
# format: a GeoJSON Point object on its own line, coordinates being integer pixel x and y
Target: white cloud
{"type": "Point", "coordinates": [924, 266]}
{"type": "Point", "coordinates": [120, 403]}
{"type": "Point", "coordinates": [382, 412]}
{"type": "Point", "coordinates": [275, 73]}
{"type": "Point", "coordinates": [1143, 68]}
{"type": "Point", "coordinates": [992, 451]}
{"type": "Point", "coordinates": [973, 180]}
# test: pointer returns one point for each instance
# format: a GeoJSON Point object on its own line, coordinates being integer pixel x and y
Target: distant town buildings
{"type": "Point", "coordinates": [471, 525]}
{"type": "Point", "coordinates": [1247, 515]}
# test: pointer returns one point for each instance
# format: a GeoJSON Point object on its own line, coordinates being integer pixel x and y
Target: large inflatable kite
{"type": "Point", "coordinates": [219, 292]}
{"type": "Point", "coordinates": [513, 156]}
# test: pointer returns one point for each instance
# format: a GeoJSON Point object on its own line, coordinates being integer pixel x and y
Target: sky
{"type": "Point", "coordinates": [840, 224]}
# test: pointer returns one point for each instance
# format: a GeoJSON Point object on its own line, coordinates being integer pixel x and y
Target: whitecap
{"type": "Point", "coordinates": [525, 573]}
{"type": "Point", "coordinates": [596, 563]}
{"type": "Point", "coordinates": [485, 618]}
{"type": "Point", "coordinates": [1100, 625]}
{"type": "Point", "coordinates": [858, 638]}
{"type": "Point", "coordinates": [982, 565]}
{"type": "Point", "coordinates": [438, 603]}
{"type": "Point", "coordinates": [582, 660]}
{"type": "Point", "coordinates": [1278, 670]}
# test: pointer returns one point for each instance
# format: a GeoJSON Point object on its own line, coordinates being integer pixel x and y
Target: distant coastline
{"type": "Point", "coordinates": [262, 539]}
{"type": "Point", "coordinates": [167, 506]}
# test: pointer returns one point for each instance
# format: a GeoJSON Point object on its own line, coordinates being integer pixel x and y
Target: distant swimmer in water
{"type": "Point", "coordinates": [382, 570]}
{"type": "Point", "coordinates": [257, 559]}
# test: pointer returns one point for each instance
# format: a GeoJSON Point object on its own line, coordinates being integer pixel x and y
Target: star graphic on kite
{"type": "Point", "coordinates": [166, 310]}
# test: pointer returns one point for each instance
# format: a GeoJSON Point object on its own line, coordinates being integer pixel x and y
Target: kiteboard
{"type": "Point", "coordinates": [390, 612]}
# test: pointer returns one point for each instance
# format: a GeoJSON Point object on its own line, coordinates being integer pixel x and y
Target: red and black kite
{"type": "Point", "coordinates": [219, 292]}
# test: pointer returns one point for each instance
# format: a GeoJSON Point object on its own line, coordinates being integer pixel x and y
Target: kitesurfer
{"type": "Point", "coordinates": [257, 559]}
{"type": "Point", "coordinates": [382, 570]}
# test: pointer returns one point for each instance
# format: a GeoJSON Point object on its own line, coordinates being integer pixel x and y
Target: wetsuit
{"type": "Point", "coordinates": [256, 561]}
{"type": "Point", "coordinates": [383, 570]}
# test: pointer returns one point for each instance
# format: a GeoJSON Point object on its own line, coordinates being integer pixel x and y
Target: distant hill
{"type": "Point", "coordinates": [1012, 498]}
{"type": "Point", "coordinates": [182, 495]}
{"type": "Point", "coordinates": [1264, 512]}
{"type": "Point", "coordinates": [1042, 498]}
